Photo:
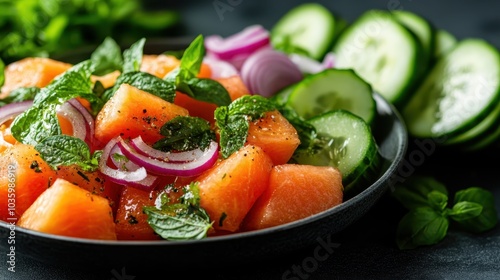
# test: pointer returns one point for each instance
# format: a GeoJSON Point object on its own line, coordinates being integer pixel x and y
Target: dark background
{"type": "Point", "coordinates": [367, 249]}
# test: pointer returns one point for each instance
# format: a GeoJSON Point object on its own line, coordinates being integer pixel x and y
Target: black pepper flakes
{"type": "Point", "coordinates": [35, 166]}
{"type": "Point", "coordinates": [131, 219]}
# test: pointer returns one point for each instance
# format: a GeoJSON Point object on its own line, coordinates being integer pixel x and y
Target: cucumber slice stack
{"type": "Point", "coordinates": [459, 100]}
{"type": "Point", "coordinates": [382, 51]}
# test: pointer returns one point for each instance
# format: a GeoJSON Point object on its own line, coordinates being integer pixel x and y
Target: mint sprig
{"type": "Point", "coordinates": [179, 221]}
{"type": "Point", "coordinates": [186, 81]}
{"type": "Point", "coordinates": [429, 215]}
{"type": "Point", "coordinates": [60, 150]}
{"type": "Point", "coordinates": [233, 121]}
{"type": "Point", "coordinates": [185, 133]}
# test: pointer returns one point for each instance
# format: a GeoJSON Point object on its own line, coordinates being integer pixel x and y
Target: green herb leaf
{"type": "Point", "coordinates": [53, 27]}
{"type": "Point", "coordinates": [186, 81]}
{"type": "Point", "coordinates": [191, 60]}
{"type": "Point", "coordinates": [75, 82]}
{"type": "Point", "coordinates": [60, 150]}
{"type": "Point", "coordinates": [465, 210]}
{"type": "Point", "coordinates": [40, 121]}
{"type": "Point", "coordinates": [437, 200]}
{"type": "Point", "coordinates": [185, 133]}
{"type": "Point", "coordinates": [2, 72]}
{"type": "Point", "coordinates": [207, 90]}
{"type": "Point", "coordinates": [233, 120]}
{"type": "Point", "coordinates": [488, 217]}
{"type": "Point", "coordinates": [19, 95]}
{"type": "Point", "coordinates": [133, 56]}
{"type": "Point", "coordinates": [413, 193]}
{"type": "Point", "coordinates": [107, 57]}
{"type": "Point", "coordinates": [179, 221]}
{"type": "Point", "coordinates": [179, 226]}
{"type": "Point", "coordinates": [253, 106]}
{"type": "Point", "coordinates": [146, 82]}
{"type": "Point", "coordinates": [310, 141]}
{"type": "Point", "coordinates": [36, 124]}
{"type": "Point", "coordinates": [233, 130]}
{"type": "Point", "coordinates": [421, 226]}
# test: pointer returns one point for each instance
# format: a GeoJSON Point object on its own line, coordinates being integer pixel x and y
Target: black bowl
{"type": "Point", "coordinates": [390, 134]}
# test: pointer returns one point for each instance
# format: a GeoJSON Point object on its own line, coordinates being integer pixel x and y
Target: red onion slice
{"type": "Point", "coordinates": [220, 68]}
{"type": "Point", "coordinates": [89, 121]}
{"type": "Point", "coordinates": [267, 71]}
{"type": "Point", "coordinates": [236, 48]}
{"type": "Point", "coordinates": [138, 178]}
{"type": "Point", "coordinates": [143, 148]}
{"type": "Point", "coordinates": [306, 64]}
{"type": "Point", "coordinates": [329, 60]}
{"type": "Point", "coordinates": [75, 117]}
{"type": "Point", "coordinates": [3, 142]}
{"type": "Point", "coordinates": [246, 41]}
{"type": "Point", "coordinates": [11, 110]}
{"type": "Point", "coordinates": [188, 169]}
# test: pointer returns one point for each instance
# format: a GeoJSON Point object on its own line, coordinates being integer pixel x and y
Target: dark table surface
{"type": "Point", "coordinates": [367, 248]}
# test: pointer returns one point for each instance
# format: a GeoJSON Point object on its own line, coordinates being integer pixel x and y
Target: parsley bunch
{"type": "Point", "coordinates": [430, 214]}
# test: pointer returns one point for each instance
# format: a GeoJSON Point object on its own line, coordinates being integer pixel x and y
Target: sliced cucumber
{"type": "Point", "coordinates": [383, 52]}
{"type": "Point", "coordinates": [462, 89]}
{"type": "Point", "coordinates": [333, 89]}
{"type": "Point", "coordinates": [281, 97]}
{"type": "Point", "coordinates": [445, 41]}
{"type": "Point", "coordinates": [482, 129]}
{"type": "Point", "coordinates": [309, 27]}
{"type": "Point", "coordinates": [350, 147]}
{"type": "Point", "coordinates": [422, 28]}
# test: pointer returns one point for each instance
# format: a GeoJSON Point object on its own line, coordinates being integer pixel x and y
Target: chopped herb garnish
{"type": "Point", "coordinates": [180, 221]}
{"type": "Point", "coordinates": [184, 133]}
{"type": "Point", "coordinates": [233, 120]}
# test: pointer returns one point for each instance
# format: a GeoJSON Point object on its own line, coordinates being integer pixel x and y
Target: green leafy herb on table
{"type": "Point", "coordinates": [429, 215]}
{"type": "Point", "coordinates": [45, 28]}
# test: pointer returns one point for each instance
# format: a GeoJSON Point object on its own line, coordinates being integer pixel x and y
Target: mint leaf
{"type": "Point", "coordinates": [146, 82]}
{"type": "Point", "coordinates": [488, 217]}
{"type": "Point", "coordinates": [233, 131]}
{"type": "Point", "coordinates": [253, 106]}
{"type": "Point", "coordinates": [186, 81]}
{"type": "Point", "coordinates": [107, 57]}
{"type": "Point", "coordinates": [19, 95]}
{"type": "Point", "coordinates": [421, 226]}
{"type": "Point", "coordinates": [465, 210]}
{"type": "Point", "coordinates": [60, 150]}
{"type": "Point", "coordinates": [179, 221]}
{"type": "Point", "coordinates": [233, 120]}
{"type": "Point", "coordinates": [133, 56]}
{"type": "Point", "coordinates": [207, 90]}
{"type": "Point", "coordinates": [40, 121]}
{"type": "Point", "coordinates": [413, 193]}
{"type": "Point", "coordinates": [191, 60]}
{"type": "Point", "coordinates": [185, 133]}
{"type": "Point", "coordinates": [180, 226]}
{"type": "Point", "coordinates": [35, 124]}
{"type": "Point", "coordinates": [75, 82]}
